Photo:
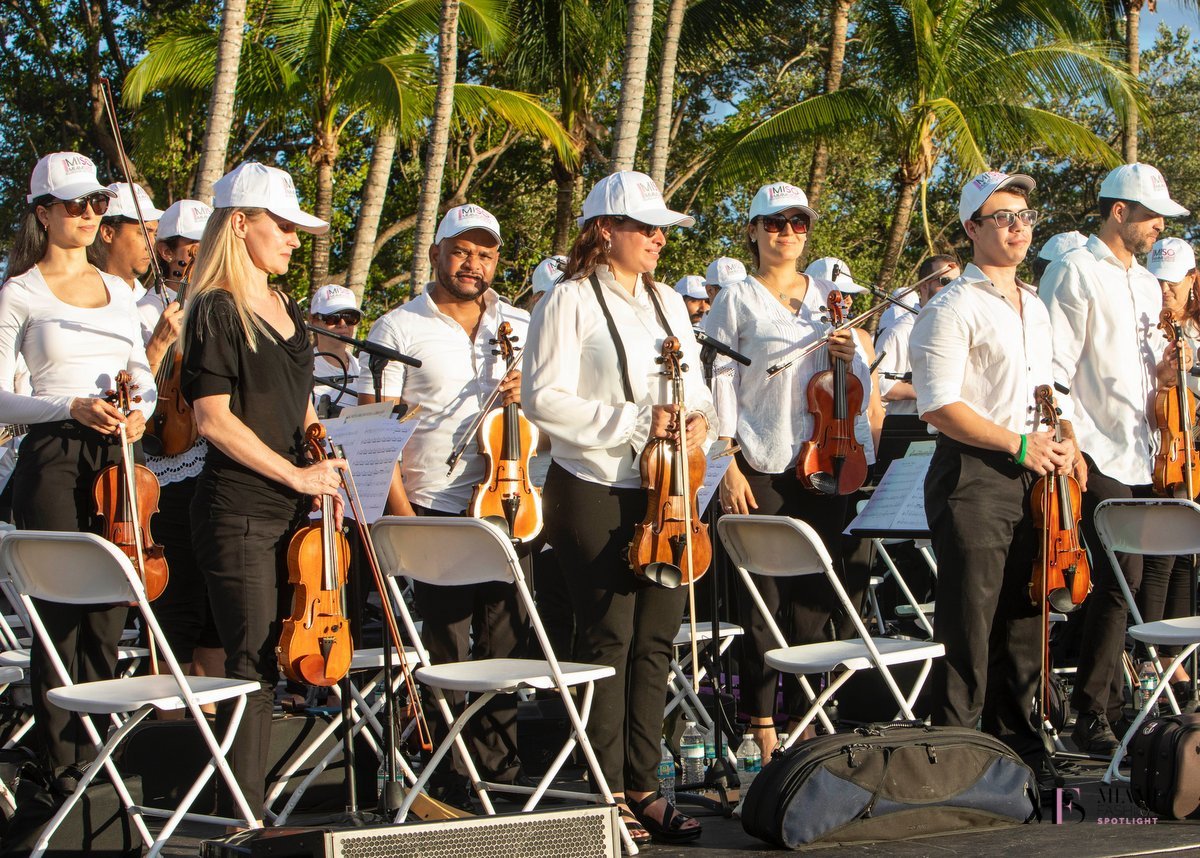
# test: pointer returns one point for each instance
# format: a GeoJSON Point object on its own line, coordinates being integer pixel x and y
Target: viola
{"type": "Point", "coordinates": [671, 546]}
{"type": "Point", "coordinates": [1061, 575]}
{"type": "Point", "coordinates": [1176, 462]}
{"type": "Point", "coordinates": [315, 646]}
{"type": "Point", "coordinates": [832, 462]}
{"type": "Point", "coordinates": [126, 498]}
{"type": "Point", "coordinates": [507, 440]}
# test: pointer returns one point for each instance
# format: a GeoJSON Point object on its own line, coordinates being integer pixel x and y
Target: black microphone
{"type": "Point", "coordinates": [368, 347]}
{"type": "Point", "coordinates": [719, 347]}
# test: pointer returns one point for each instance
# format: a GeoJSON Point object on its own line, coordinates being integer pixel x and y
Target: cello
{"type": "Point", "coordinates": [1176, 462]}
{"type": "Point", "coordinates": [315, 645]}
{"type": "Point", "coordinates": [832, 462]}
{"type": "Point", "coordinates": [506, 496]}
{"type": "Point", "coordinates": [126, 497]}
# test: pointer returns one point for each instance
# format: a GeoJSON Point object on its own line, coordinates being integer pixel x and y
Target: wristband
{"type": "Point", "coordinates": [1020, 457]}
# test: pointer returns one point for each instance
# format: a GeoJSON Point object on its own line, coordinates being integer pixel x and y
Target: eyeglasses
{"type": "Point", "coordinates": [775, 223]}
{"type": "Point", "coordinates": [645, 229]}
{"type": "Point", "coordinates": [345, 317]}
{"type": "Point", "coordinates": [77, 206]}
{"type": "Point", "coordinates": [1006, 219]}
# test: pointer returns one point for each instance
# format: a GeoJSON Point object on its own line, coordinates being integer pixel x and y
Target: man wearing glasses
{"type": "Point", "coordinates": [978, 354]}
{"type": "Point", "coordinates": [335, 309]}
{"type": "Point", "coordinates": [1109, 353]}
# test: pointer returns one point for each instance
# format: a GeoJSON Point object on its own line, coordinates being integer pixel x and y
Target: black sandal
{"type": "Point", "coordinates": [637, 833]}
{"type": "Point", "coordinates": [671, 829]}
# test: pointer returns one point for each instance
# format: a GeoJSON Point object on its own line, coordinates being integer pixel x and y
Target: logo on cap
{"type": "Point", "coordinates": [1163, 253]}
{"type": "Point", "coordinates": [649, 192]}
{"type": "Point", "coordinates": [465, 212]}
{"type": "Point", "coordinates": [782, 190]}
{"type": "Point", "coordinates": [988, 178]}
{"type": "Point", "coordinates": [77, 163]}
{"type": "Point", "coordinates": [1157, 182]}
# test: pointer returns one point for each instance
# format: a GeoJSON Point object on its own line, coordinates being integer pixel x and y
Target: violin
{"type": "Point", "coordinates": [126, 497]}
{"type": "Point", "coordinates": [1176, 462]}
{"type": "Point", "coordinates": [315, 646]}
{"type": "Point", "coordinates": [832, 462]}
{"type": "Point", "coordinates": [172, 423]}
{"type": "Point", "coordinates": [671, 546]}
{"type": "Point", "coordinates": [1061, 575]}
{"type": "Point", "coordinates": [507, 440]}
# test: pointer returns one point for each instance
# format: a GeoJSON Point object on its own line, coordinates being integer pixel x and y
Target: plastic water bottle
{"type": "Point", "coordinates": [1147, 680]}
{"type": "Point", "coordinates": [710, 748]}
{"type": "Point", "coordinates": [779, 743]}
{"type": "Point", "coordinates": [691, 753]}
{"type": "Point", "coordinates": [666, 773]}
{"type": "Point", "coordinates": [749, 762]}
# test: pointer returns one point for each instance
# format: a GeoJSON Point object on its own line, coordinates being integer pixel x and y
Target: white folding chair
{"type": "Point", "coordinates": [781, 546]}
{"type": "Point", "coordinates": [1150, 526]}
{"type": "Point", "coordinates": [458, 551]}
{"type": "Point", "coordinates": [83, 569]}
{"type": "Point", "coordinates": [682, 694]}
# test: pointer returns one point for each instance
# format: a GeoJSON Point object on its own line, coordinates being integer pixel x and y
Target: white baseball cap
{"type": "Point", "coordinates": [185, 218]}
{"type": "Point", "coordinates": [1171, 259]}
{"type": "Point", "coordinates": [1141, 183]}
{"type": "Point", "coordinates": [632, 195]}
{"type": "Point", "coordinates": [780, 196]}
{"type": "Point", "coordinates": [547, 274]}
{"type": "Point", "coordinates": [833, 269]}
{"type": "Point", "coordinates": [692, 286]}
{"type": "Point", "coordinates": [976, 192]}
{"type": "Point", "coordinates": [122, 204]}
{"type": "Point", "coordinates": [332, 298]}
{"type": "Point", "coordinates": [65, 176]}
{"type": "Point", "coordinates": [256, 186]}
{"type": "Point", "coordinates": [1060, 245]}
{"type": "Point", "coordinates": [463, 218]}
{"type": "Point", "coordinates": [724, 271]}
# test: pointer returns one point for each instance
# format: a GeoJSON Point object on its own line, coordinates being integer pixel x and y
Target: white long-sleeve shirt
{"type": "Point", "coordinates": [891, 349]}
{"type": "Point", "coordinates": [1106, 350]}
{"type": "Point", "coordinates": [70, 351]}
{"type": "Point", "coordinates": [571, 378]}
{"type": "Point", "coordinates": [769, 417]}
{"type": "Point", "coordinates": [970, 345]}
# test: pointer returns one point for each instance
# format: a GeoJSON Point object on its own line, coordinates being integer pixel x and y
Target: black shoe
{"type": "Point", "coordinates": [1093, 735]}
{"type": "Point", "coordinates": [1049, 780]}
{"type": "Point", "coordinates": [452, 789]}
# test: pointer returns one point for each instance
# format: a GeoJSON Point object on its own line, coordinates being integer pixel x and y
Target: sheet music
{"type": "Point", "coordinates": [718, 464]}
{"type": "Point", "coordinates": [371, 439]}
{"type": "Point", "coordinates": [897, 506]}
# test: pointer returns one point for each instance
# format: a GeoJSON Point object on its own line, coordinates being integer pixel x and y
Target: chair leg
{"type": "Point", "coordinates": [440, 753]}
{"type": "Point", "coordinates": [919, 684]}
{"type": "Point", "coordinates": [817, 707]}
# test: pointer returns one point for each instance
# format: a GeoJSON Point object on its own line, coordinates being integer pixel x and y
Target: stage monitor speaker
{"type": "Point", "coordinates": [588, 832]}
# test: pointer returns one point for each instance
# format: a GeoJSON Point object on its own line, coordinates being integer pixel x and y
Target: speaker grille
{"type": "Point", "coordinates": [576, 833]}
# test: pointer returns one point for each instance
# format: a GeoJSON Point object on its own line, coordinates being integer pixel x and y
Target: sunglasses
{"type": "Point", "coordinates": [775, 223]}
{"type": "Point", "coordinates": [77, 206]}
{"type": "Point", "coordinates": [645, 229]}
{"type": "Point", "coordinates": [1004, 220]}
{"type": "Point", "coordinates": [345, 317]}
{"type": "Point", "coordinates": [945, 280]}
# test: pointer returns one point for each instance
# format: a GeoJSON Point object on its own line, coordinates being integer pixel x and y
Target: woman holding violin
{"type": "Point", "coordinates": [593, 384]}
{"type": "Point", "coordinates": [76, 328]}
{"type": "Point", "coordinates": [247, 372]}
{"type": "Point", "coordinates": [772, 313]}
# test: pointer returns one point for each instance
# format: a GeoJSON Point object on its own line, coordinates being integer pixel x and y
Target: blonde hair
{"type": "Point", "coordinates": [224, 264]}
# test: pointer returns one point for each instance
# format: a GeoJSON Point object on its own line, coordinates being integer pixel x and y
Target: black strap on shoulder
{"type": "Point", "coordinates": [658, 311]}
{"type": "Point", "coordinates": [616, 337]}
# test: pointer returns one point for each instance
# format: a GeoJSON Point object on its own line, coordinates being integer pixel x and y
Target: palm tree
{"type": "Point", "coordinates": [220, 104]}
{"type": "Point", "coordinates": [660, 141]}
{"type": "Point", "coordinates": [839, 22]}
{"type": "Point", "coordinates": [370, 210]}
{"type": "Point", "coordinates": [950, 81]}
{"type": "Point", "coordinates": [633, 84]}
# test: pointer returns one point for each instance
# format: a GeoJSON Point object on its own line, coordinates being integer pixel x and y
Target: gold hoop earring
{"type": "Point", "coordinates": [607, 246]}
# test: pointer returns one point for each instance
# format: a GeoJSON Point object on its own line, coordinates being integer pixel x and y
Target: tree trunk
{"type": "Point", "coordinates": [439, 140]}
{"type": "Point", "coordinates": [839, 22]}
{"type": "Point", "coordinates": [564, 206]}
{"type": "Point", "coordinates": [374, 192]}
{"type": "Point", "coordinates": [324, 155]}
{"type": "Point", "coordinates": [633, 84]}
{"type": "Point", "coordinates": [1133, 15]}
{"type": "Point", "coordinates": [663, 113]}
{"type": "Point", "coordinates": [220, 104]}
{"type": "Point", "coordinates": [901, 218]}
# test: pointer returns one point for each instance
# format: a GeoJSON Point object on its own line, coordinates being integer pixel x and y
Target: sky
{"type": "Point", "coordinates": [1169, 13]}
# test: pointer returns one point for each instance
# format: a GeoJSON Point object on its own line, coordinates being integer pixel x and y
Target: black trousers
{"type": "Point", "coordinates": [52, 490]}
{"type": "Point", "coordinates": [977, 505]}
{"type": "Point", "coordinates": [1098, 678]}
{"type": "Point", "coordinates": [183, 609]}
{"type": "Point", "coordinates": [621, 620]}
{"type": "Point", "coordinates": [244, 562]}
{"type": "Point", "coordinates": [1165, 594]}
{"type": "Point", "coordinates": [803, 606]}
{"type": "Point", "coordinates": [476, 621]}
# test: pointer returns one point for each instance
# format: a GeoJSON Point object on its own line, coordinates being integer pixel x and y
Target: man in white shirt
{"type": "Point", "coordinates": [1108, 351]}
{"type": "Point", "coordinates": [695, 296]}
{"type": "Point", "coordinates": [979, 352]}
{"type": "Point", "coordinates": [451, 327]}
{"type": "Point", "coordinates": [334, 308]}
{"type": "Point", "coordinates": [721, 272]}
{"type": "Point", "coordinates": [545, 277]}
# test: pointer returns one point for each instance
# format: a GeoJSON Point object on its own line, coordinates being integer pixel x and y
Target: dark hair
{"type": "Point", "coordinates": [935, 263]}
{"type": "Point", "coordinates": [30, 244]}
{"type": "Point", "coordinates": [1038, 267]}
{"type": "Point", "coordinates": [588, 251]}
{"type": "Point", "coordinates": [1106, 206]}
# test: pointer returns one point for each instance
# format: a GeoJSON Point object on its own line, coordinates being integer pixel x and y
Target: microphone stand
{"type": "Point", "coordinates": [379, 356]}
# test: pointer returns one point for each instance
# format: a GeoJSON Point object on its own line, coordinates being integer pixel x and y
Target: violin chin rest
{"type": "Point", "coordinates": [499, 522]}
{"type": "Point", "coordinates": [666, 575]}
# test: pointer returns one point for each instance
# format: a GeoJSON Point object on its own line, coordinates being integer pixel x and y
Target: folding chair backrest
{"type": "Point", "coordinates": [1149, 526]}
{"type": "Point", "coordinates": [68, 568]}
{"type": "Point", "coordinates": [444, 551]}
{"type": "Point", "coordinates": [775, 545]}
